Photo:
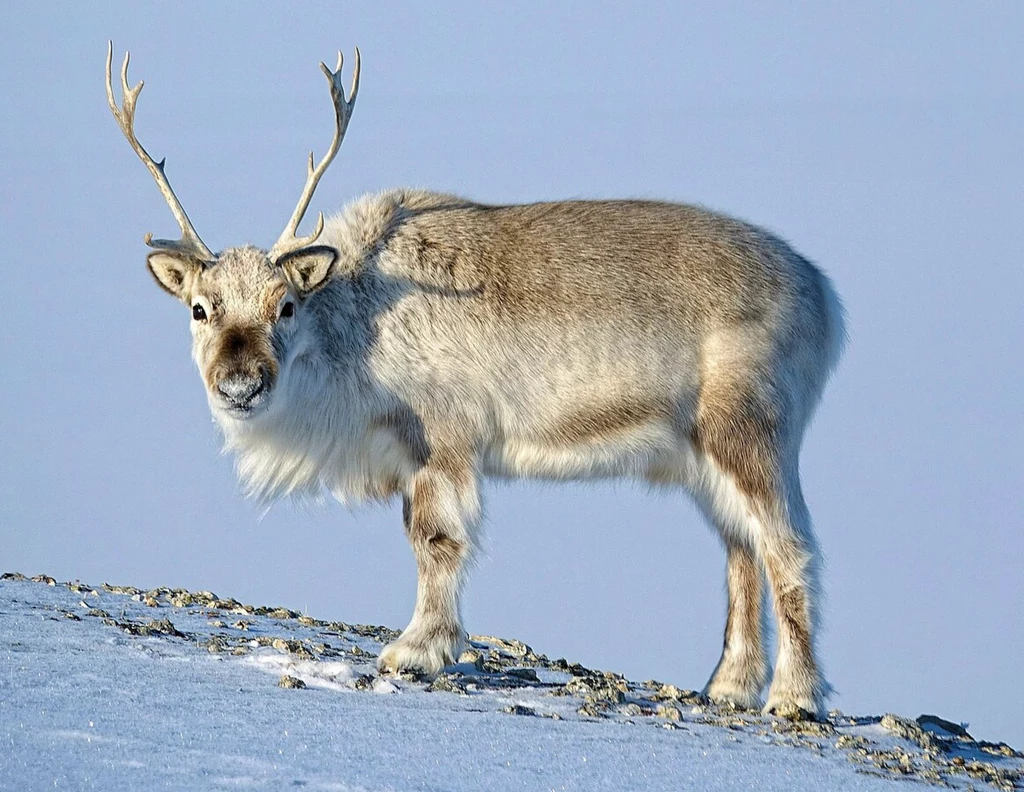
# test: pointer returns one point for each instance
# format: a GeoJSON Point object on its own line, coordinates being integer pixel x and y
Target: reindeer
{"type": "Point", "coordinates": [416, 343]}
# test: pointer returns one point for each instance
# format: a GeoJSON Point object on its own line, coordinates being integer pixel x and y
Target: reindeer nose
{"type": "Point", "coordinates": [241, 389]}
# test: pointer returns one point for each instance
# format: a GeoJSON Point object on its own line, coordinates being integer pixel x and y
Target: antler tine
{"type": "Point", "coordinates": [288, 241]}
{"type": "Point", "coordinates": [125, 116]}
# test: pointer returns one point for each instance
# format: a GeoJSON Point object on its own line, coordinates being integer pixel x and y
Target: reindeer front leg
{"type": "Point", "coordinates": [441, 513]}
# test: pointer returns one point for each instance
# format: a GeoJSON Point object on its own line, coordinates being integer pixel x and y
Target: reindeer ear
{"type": "Point", "coordinates": [172, 271]}
{"type": "Point", "coordinates": [309, 268]}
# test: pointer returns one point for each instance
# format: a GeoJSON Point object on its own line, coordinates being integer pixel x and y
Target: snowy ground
{"type": "Point", "coordinates": [113, 688]}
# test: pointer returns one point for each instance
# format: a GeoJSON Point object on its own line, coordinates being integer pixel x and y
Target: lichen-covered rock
{"type": "Point", "coordinates": [129, 591]}
{"type": "Point", "coordinates": [590, 710]}
{"type": "Point", "coordinates": [910, 730]}
{"type": "Point", "coordinates": [181, 599]}
{"type": "Point", "coordinates": [472, 657]}
{"type": "Point", "coordinates": [155, 627]}
{"type": "Point", "coordinates": [443, 683]}
{"type": "Point", "coordinates": [673, 693]}
{"type": "Point", "coordinates": [291, 647]}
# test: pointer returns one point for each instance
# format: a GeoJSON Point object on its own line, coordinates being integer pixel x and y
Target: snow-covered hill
{"type": "Point", "coordinates": [108, 687]}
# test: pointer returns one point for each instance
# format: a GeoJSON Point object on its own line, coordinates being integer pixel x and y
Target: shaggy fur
{"type": "Point", "coordinates": [432, 341]}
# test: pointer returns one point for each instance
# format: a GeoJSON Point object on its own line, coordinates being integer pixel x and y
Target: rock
{"type": "Point", "coordinates": [12, 576]}
{"type": "Point", "coordinates": [669, 712]}
{"type": "Point", "coordinates": [128, 591]}
{"type": "Point", "coordinates": [1000, 749]}
{"type": "Point", "coordinates": [598, 688]}
{"type": "Point", "coordinates": [156, 627]}
{"type": "Point", "coordinates": [672, 693]}
{"type": "Point", "coordinates": [182, 599]}
{"type": "Point", "coordinates": [291, 682]}
{"type": "Point", "coordinates": [443, 683]}
{"type": "Point", "coordinates": [561, 664]}
{"type": "Point", "coordinates": [934, 723]}
{"type": "Point", "coordinates": [291, 647]}
{"type": "Point", "coordinates": [518, 709]}
{"type": "Point", "coordinates": [511, 646]}
{"type": "Point", "coordinates": [473, 658]}
{"type": "Point", "coordinates": [276, 613]}
{"type": "Point", "coordinates": [526, 674]}
{"type": "Point", "coordinates": [804, 727]}
{"type": "Point", "coordinates": [910, 730]}
{"type": "Point", "coordinates": [792, 712]}
{"type": "Point", "coordinates": [851, 741]}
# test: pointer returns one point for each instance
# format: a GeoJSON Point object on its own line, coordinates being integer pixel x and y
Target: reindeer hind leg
{"type": "Point", "coordinates": [754, 474]}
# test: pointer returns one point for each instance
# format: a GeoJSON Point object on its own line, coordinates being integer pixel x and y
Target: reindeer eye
{"type": "Point", "coordinates": [198, 312]}
{"type": "Point", "coordinates": [288, 309]}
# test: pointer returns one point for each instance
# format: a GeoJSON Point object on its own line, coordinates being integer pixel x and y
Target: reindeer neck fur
{"type": "Point", "coordinates": [327, 428]}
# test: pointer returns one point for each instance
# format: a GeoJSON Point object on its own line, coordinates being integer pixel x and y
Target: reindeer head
{"type": "Point", "coordinates": [247, 304]}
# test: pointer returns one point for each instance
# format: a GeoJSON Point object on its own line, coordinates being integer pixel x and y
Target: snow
{"type": "Point", "coordinates": [86, 704]}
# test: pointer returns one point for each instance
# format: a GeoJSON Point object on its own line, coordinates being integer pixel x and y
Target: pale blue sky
{"type": "Point", "coordinates": [883, 140]}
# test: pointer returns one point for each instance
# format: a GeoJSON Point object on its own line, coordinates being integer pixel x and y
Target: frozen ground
{"type": "Point", "coordinates": [110, 687]}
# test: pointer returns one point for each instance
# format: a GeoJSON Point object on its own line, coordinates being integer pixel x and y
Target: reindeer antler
{"type": "Point", "coordinates": [190, 242]}
{"type": "Point", "coordinates": [288, 242]}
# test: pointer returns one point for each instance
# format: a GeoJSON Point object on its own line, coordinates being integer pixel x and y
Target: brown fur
{"type": "Point", "coordinates": [792, 607]}
{"type": "Point", "coordinates": [740, 433]}
{"type": "Point", "coordinates": [241, 349]}
{"type": "Point", "coordinates": [594, 423]}
{"type": "Point", "coordinates": [743, 669]}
